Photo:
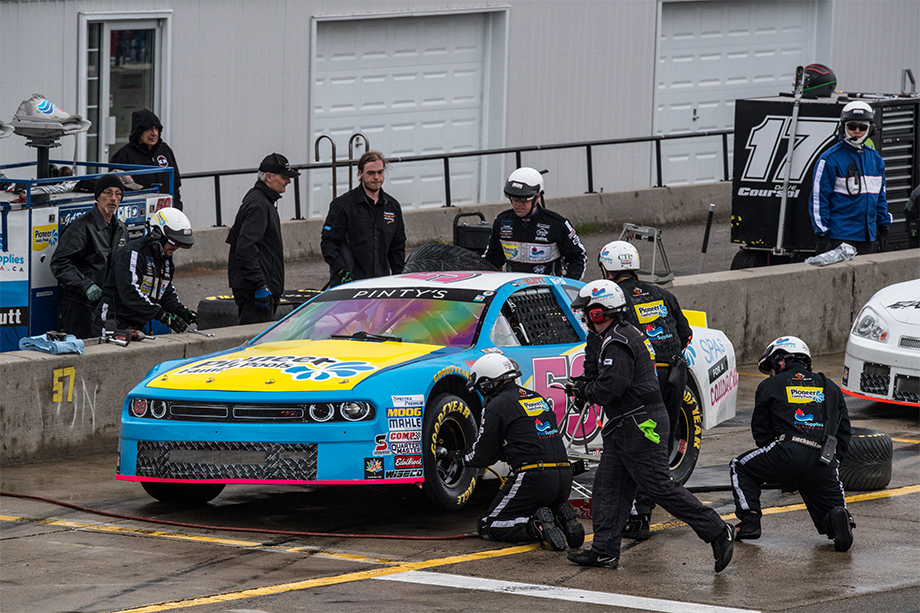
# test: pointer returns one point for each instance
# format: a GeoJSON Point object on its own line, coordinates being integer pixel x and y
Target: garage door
{"type": "Point", "coordinates": [413, 86]}
{"type": "Point", "coordinates": [712, 53]}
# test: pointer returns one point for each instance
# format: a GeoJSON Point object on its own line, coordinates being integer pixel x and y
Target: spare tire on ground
{"type": "Point", "coordinates": [221, 311]}
{"type": "Point", "coordinates": [435, 257]}
{"type": "Point", "coordinates": [867, 465]}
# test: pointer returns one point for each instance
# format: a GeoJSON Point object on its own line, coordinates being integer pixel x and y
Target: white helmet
{"type": "Point", "coordinates": [600, 300]}
{"type": "Point", "coordinates": [490, 371]}
{"type": "Point", "coordinates": [856, 112]}
{"type": "Point", "coordinates": [172, 226]}
{"type": "Point", "coordinates": [778, 354]}
{"type": "Point", "coordinates": [618, 255]}
{"type": "Point", "coordinates": [524, 183]}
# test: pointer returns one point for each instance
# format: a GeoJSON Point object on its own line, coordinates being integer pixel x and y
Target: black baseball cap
{"type": "Point", "coordinates": [279, 165]}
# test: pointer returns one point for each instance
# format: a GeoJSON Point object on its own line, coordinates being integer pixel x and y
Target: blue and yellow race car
{"type": "Point", "coordinates": [365, 382]}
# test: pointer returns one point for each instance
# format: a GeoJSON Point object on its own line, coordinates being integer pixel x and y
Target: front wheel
{"type": "Point", "coordinates": [687, 436]}
{"type": "Point", "coordinates": [184, 494]}
{"type": "Point", "coordinates": [448, 423]}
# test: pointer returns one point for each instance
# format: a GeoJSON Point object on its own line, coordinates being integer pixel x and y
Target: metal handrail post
{"type": "Point", "coordinates": [517, 158]}
{"type": "Point", "coordinates": [725, 157]}
{"type": "Point", "coordinates": [658, 162]}
{"type": "Point", "coordinates": [217, 214]}
{"type": "Point", "coordinates": [590, 163]}
{"type": "Point", "coordinates": [447, 181]}
{"type": "Point", "coordinates": [316, 152]}
{"type": "Point", "coordinates": [351, 155]}
{"type": "Point", "coordinates": [297, 214]}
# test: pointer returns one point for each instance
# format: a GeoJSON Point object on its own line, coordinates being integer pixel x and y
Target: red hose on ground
{"type": "Point", "coordinates": [232, 529]}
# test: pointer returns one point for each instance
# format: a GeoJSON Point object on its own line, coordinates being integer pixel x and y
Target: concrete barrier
{"type": "Point", "coordinates": [68, 405]}
{"type": "Point", "coordinates": [659, 206]}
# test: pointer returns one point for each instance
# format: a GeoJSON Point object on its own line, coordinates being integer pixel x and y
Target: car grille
{"type": "Point", "coordinates": [226, 460]}
{"type": "Point", "coordinates": [875, 378]}
{"type": "Point", "coordinates": [909, 342]}
{"type": "Point", "coordinates": [907, 389]}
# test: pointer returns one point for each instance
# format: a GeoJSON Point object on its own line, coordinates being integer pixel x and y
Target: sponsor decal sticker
{"type": "Point", "coordinates": [404, 412]}
{"type": "Point", "coordinates": [405, 423]}
{"type": "Point", "coordinates": [404, 474]}
{"type": "Point", "coordinates": [408, 400]}
{"type": "Point", "coordinates": [534, 406]}
{"type": "Point", "coordinates": [405, 448]}
{"type": "Point", "coordinates": [651, 311]}
{"type": "Point", "coordinates": [373, 468]}
{"type": "Point", "coordinates": [405, 436]}
{"type": "Point", "coordinates": [804, 395]}
{"type": "Point", "coordinates": [407, 461]}
{"type": "Point", "coordinates": [380, 445]}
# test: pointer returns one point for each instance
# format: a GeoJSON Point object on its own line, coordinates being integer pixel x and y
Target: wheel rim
{"type": "Point", "coordinates": [450, 436]}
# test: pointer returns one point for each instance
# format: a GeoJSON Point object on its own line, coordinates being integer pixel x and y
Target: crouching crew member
{"type": "Point", "coordinates": [635, 434]}
{"type": "Point", "coordinates": [519, 427]}
{"type": "Point", "coordinates": [800, 423]}
{"type": "Point", "coordinates": [139, 286]}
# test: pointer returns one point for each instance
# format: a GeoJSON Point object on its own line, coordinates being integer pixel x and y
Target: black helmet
{"type": "Point", "coordinates": [819, 81]}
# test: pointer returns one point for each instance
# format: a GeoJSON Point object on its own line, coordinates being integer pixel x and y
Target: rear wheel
{"type": "Point", "coordinates": [448, 423]}
{"type": "Point", "coordinates": [187, 494]}
{"type": "Point", "coordinates": [687, 436]}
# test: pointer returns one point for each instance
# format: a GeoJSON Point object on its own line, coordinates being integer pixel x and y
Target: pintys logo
{"type": "Point", "coordinates": [44, 237]}
{"type": "Point", "coordinates": [804, 395]}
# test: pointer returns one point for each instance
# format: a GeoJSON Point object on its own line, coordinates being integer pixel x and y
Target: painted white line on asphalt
{"type": "Point", "coordinates": [556, 593]}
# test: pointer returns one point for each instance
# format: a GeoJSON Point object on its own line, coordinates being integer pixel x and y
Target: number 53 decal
{"type": "Point", "coordinates": [764, 145]}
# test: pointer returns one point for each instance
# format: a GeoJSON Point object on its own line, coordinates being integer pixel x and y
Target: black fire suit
{"type": "Point", "coordinates": [81, 260]}
{"type": "Point", "coordinates": [139, 286]}
{"type": "Point", "coordinates": [539, 243]}
{"type": "Point", "coordinates": [627, 390]}
{"type": "Point", "coordinates": [519, 427]}
{"type": "Point", "coordinates": [256, 254]}
{"type": "Point", "coordinates": [794, 411]}
{"type": "Point", "coordinates": [363, 238]}
{"type": "Point", "coordinates": [141, 155]}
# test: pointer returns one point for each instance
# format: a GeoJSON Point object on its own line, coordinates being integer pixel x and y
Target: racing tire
{"type": "Point", "coordinates": [217, 312]}
{"type": "Point", "coordinates": [688, 437]}
{"type": "Point", "coordinates": [749, 258]}
{"type": "Point", "coordinates": [183, 494]}
{"type": "Point", "coordinates": [448, 423]}
{"type": "Point", "coordinates": [435, 257]}
{"type": "Point", "coordinates": [867, 464]}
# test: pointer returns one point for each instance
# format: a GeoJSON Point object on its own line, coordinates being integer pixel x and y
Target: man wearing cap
{"type": "Point", "coordinates": [256, 266]}
{"type": "Point", "coordinates": [146, 147]}
{"type": "Point", "coordinates": [83, 256]}
{"type": "Point", "coordinates": [364, 235]}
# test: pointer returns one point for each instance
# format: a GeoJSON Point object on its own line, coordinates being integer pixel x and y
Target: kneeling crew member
{"type": "Point", "coordinates": [800, 422]}
{"type": "Point", "coordinates": [519, 427]}
{"type": "Point", "coordinates": [139, 286]}
{"type": "Point", "coordinates": [635, 451]}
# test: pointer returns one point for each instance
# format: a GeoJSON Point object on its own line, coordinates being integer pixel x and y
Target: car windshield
{"type": "Point", "coordinates": [449, 319]}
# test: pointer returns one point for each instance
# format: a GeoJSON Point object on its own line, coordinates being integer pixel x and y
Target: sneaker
{"type": "Point", "coordinates": [749, 528]}
{"type": "Point", "coordinates": [723, 547]}
{"type": "Point", "coordinates": [567, 519]}
{"type": "Point", "coordinates": [637, 527]}
{"type": "Point", "coordinates": [587, 557]}
{"type": "Point", "coordinates": [838, 524]}
{"type": "Point", "coordinates": [543, 526]}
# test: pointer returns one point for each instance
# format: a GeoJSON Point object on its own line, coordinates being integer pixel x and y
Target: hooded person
{"type": "Point", "coordinates": [146, 147]}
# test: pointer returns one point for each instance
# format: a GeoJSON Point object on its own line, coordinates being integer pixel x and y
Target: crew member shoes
{"type": "Point", "coordinates": [838, 528]}
{"type": "Point", "coordinates": [588, 557]}
{"type": "Point", "coordinates": [637, 527]}
{"type": "Point", "coordinates": [567, 519]}
{"type": "Point", "coordinates": [543, 527]}
{"type": "Point", "coordinates": [722, 548]}
{"type": "Point", "coordinates": [749, 528]}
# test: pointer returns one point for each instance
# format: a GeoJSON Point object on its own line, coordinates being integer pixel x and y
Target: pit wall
{"type": "Point", "coordinates": [607, 211]}
{"type": "Point", "coordinates": [68, 405]}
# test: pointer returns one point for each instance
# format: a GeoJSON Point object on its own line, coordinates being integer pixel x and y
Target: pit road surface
{"type": "Point", "coordinates": [60, 559]}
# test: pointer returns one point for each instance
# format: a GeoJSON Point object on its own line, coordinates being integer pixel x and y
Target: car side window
{"type": "Point", "coordinates": [536, 318]}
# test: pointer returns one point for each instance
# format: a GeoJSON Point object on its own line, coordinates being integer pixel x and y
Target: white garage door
{"type": "Point", "coordinates": [712, 53]}
{"type": "Point", "coordinates": [413, 86]}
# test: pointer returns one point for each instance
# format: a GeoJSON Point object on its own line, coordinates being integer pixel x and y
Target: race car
{"type": "Point", "coordinates": [882, 361]}
{"type": "Point", "coordinates": [367, 382]}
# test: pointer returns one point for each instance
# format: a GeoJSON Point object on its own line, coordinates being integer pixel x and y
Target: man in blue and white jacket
{"type": "Point", "coordinates": [848, 197]}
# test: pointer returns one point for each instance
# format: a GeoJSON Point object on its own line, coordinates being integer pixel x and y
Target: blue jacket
{"type": "Point", "coordinates": [849, 209]}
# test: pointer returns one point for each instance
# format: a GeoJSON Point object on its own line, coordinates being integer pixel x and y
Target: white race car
{"type": "Point", "coordinates": [883, 353]}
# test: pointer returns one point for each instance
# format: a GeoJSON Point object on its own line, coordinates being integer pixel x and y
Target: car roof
{"type": "Point", "coordinates": [473, 280]}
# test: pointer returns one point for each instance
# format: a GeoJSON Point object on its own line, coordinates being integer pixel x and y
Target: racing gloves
{"type": "Point", "coordinates": [345, 276]}
{"type": "Point", "coordinates": [190, 316]}
{"type": "Point", "coordinates": [174, 322]}
{"type": "Point", "coordinates": [882, 235]}
{"type": "Point", "coordinates": [822, 243]}
{"type": "Point", "coordinates": [263, 298]}
{"type": "Point", "coordinates": [93, 293]}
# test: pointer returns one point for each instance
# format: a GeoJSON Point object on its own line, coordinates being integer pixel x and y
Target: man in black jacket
{"type": "Point", "coordinates": [635, 453]}
{"type": "Point", "coordinates": [529, 238]}
{"type": "Point", "coordinates": [255, 269]}
{"type": "Point", "coordinates": [146, 147]}
{"type": "Point", "coordinates": [657, 314]}
{"type": "Point", "coordinates": [800, 423]}
{"type": "Point", "coordinates": [519, 427]}
{"type": "Point", "coordinates": [139, 286]}
{"type": "Point", "coordinates": [364, 235]}
{"type": "Point", "coordinates": [83, 256]}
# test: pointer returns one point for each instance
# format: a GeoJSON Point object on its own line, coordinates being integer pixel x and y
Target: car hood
{"type": "Point", "coordinates": [901, 301]}
{"type": "Point", "coordinates": [292, 366]}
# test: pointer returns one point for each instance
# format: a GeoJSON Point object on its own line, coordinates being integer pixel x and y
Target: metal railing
{"type": "Point", "coordinates": [446, 157]}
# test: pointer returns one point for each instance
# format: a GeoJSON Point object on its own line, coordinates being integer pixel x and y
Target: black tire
{"type": "Point", "coordinates": [867, 465]}
{"type": "Point", "coordinates": [749, 258]}
{"type": "Point", "coordinates": [688, 437]}
{"type": "Point", "coordinates": [184, 494]}
{"type": "Point", "coordinates": [435, 257]}
{"type": "Point", "coordinates": [448, 423]}
{"type": "Point", "coordinates": [217, 312]}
